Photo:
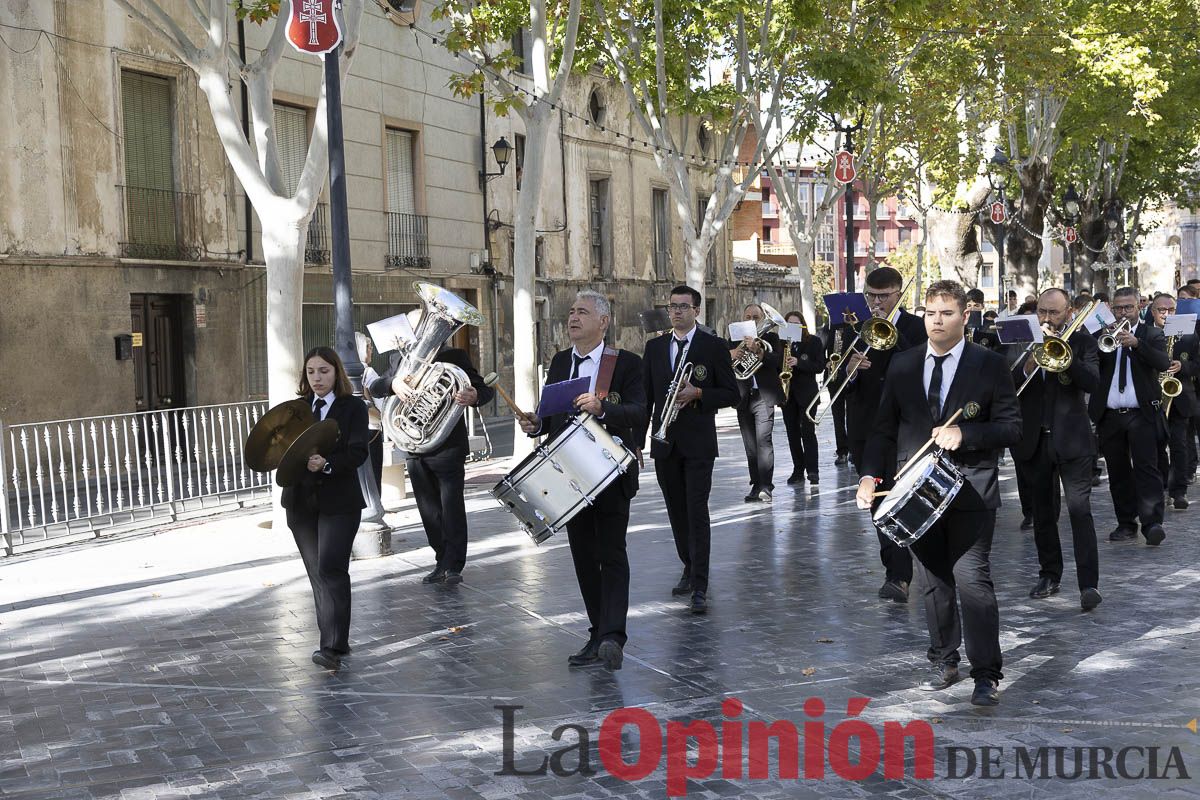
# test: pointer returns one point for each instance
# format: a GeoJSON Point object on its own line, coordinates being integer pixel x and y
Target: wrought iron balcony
{"type": "Point", "coordinates": [408, 241]}
{"type": "Point", "coordinates": [317, 249]}
{"type": "Point", "coordinates": [160, 224]}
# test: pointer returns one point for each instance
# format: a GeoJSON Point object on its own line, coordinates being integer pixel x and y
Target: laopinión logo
{"type": "Point", "coordinates": [734, 749]}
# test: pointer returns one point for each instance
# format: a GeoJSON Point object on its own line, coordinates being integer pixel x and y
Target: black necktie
{"type": "Point", "coordinates": [578, 360]}
{"type": "Point", "coordinates": [1123, 378]}
{"type": "Point", "coordinates": [317, 406]}
{"type": "Point", "coordinates": [680, 344]}
{"type": "Point", "coordinates": [935, 388]}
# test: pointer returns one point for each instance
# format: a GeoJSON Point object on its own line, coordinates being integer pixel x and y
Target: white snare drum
{"type": "Point", "coordinates": [556, 481]}
{"type": "Point", "coordinates": [918, 499]}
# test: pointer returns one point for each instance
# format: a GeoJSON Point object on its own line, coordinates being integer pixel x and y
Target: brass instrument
{"type": "Point", "coordinates": [285, 437]}
{"type": "Point", "coordinates": [1171, 386]}
{"type": "Point", "coordinates": [749, 362]}
{"type": "Point", "coordinates": [1108, 340]}
{"type": "Point", "coordinates": [423, 412]}
{"type": "Point", "coordinates": [785, 373]}
{"type": "Point", "coordinates": [879, 333]}
{"type": "Point", "coordinates": [683, 374]}
{"type": "Point", "coordinates": [1054, 354]}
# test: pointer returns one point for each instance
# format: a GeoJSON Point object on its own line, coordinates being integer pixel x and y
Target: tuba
{"type": "Point", "coordinates": [749, 362]}
{"type": "Point", "coordinates": [423, 412]}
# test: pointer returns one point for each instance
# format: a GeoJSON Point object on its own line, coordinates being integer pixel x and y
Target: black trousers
{"type": "Point", "coordinates": [376, 451]}
{"type": "Point", "coordinates": [954, 556]}
{"type": "Point", "coordinates": [1045, 471]}
{"type": "Point", "coordinates": [597, 537]}
{"type": "Point", "coordinates": [841, 440]}
{"type": "Point", "coordinates": [756, 418]}
{"type": "Point", "coordinates": [1130, 443]}
{"type": "Point", "coordinates": [802, 437]}
{"type": "Point", "coordinates": [1024, 493]}
{"type": "Point", "coordinates": [1193, 454]}
{"type": "Point", "coordinates": [896, 560]}
{"type": "Point", "coordinates": [437, 481]}
{"type": "Point", "coordinates": [1174, 460]}
{"type": "Point", "coordinates": [324, 542]}
{"type": "Point", "coordinates": [686, 483]}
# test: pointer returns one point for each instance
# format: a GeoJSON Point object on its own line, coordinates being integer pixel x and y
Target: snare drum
{"type": "Point", "coordinates": [563, 476]}
{"type": "Point", "coordinates": [918, 499]}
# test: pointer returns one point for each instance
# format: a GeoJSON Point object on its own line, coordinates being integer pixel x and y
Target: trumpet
{"type": "Point", "coordinates": [750, 362]}
{"type": "Point", "coordinates": [1171, 386]}
{"type": "Point", "coordinates": [1108, 340]}
{"type": "Point", "coordinates": [683, 374]}
{"type": "Point", "coordinates": [1054, 354]}
{"type": "Point", "coordinates": [879, 333]}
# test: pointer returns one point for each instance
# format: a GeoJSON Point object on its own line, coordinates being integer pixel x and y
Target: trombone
{"type": "Point", "coordinates": [1054, 354]}
{"type": "Point", "coordinates": [879, 333]}
{"type": "Point", "coordinates": [1108, 340]}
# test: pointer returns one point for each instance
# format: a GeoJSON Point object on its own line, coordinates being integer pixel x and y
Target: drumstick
{"type": "Point", "coordinates": [492, 380]}
{"type": "Point", "coordinates": [925, 446]}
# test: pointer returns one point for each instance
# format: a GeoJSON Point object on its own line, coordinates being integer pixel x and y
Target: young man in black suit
{"type": "Point", "coordinates": [597, 533]}
{"type": "Point", "coordinates": [882, 291]}
{"type": "Point", "coordinates": [1127, 410]}
{"type": "Point", "coordinates": [1057, 445]}
{"type": "Point", "coordinates": [756, 408]}
{"type": "Point", "coordinates": [925, 386]}
{"type": "Point", "coordinates": [980, 334]}
{"type": "Point", "coordinates": [683, 461]}
{"type": "Point", "coordinates": [837, 338]}
{"type": "Point", "coordinates": [438, 475]}
{"type": "Point", "coordinates": [807, 360]}
{"type": "Point", "coordinates": [1174, 460]}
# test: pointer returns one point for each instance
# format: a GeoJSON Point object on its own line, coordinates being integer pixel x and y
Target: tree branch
{"type": "Point", "coordinates": [176, 40]}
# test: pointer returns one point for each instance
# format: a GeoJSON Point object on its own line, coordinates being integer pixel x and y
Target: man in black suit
{"type": "Point", "coordinates": [1127, 410]}
{"type": "Point", "coordinates": [837, 338]}
{"type": "Point", "coordinates": [683, 458]}
{"type": "Point", "coordinates": [882, 291]}
{"type": "Point", "coordinates": [925, 386]}
{"type": "Point", "coordinates": [617, 398]}
{"type": "Point", "coordinates": [438, 475]}
{"type": "Point", "coordinates": [1174, 460]}
{"type": "Point", "coordinates": [1057, 445]}
{"type": "Point", "coordinates": [806, 358]}
{"type": "Point", "coordinates": [978, 326]}
{"type": "Point", "coordinates": [756, 408]}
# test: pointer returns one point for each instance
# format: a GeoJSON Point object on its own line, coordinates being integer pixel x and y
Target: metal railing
{"type": "Point", "coordinates": [408, 241]}
{"type": "Point", "coordinates": [63, 477]}
{"type": "Point", "coordinates": [159, 224]}
{"type": "Point", "coordinates": [777, 248]}
{"type": "Point", "coordinates": [317, 247]}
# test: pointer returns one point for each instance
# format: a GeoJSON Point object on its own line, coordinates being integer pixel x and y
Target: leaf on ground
{"type": "Point", "coordinates": [808, 671]}
{"type": "Point", "coordinates": [455, 629]}
{"type": "Point", "coordinates": [825, 641]}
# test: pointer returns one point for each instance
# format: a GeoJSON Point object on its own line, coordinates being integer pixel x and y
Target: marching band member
{"type": "Point", "coordinates": [374, 408]}
{"type": "Point", "coordinates": [1174, 460]}
{"type": "Point", "coordinates": [756, 408]}
{"type": "Point", "coordinates": [438, 475]}
{"type": "Point", "coordinates": [683, 462]}
{"type": "Point", "coordinates": [837, 338]}
{"type": "Point", "coordinates": [806, 359]}
{"type": "Point", "coordinates": [1127, 410]}
{"type": "Point", "coordinates": [324, 509]}
{"type": "Point", "coordinates": [1057, 445]}
{"type": "Point", "coordinates": [980, 334]}
{"type": "Point", "coordinates": [924, 387]}
{"type": "Point", "coordinates": [884, 285]}
{"type": "Point", "coordinates": [617, 398]}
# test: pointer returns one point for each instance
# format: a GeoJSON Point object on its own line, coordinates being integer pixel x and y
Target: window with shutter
{"type": "Point", "coordinates": [401, 192]}
{"type": "Point", "coordinates": [662, 232]}
{"type": "Point", "coordinates": [149, 159]}
{"type": "Point", "coordinates": [291, 137]}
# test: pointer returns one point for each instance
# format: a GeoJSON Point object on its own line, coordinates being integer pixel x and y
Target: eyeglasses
{"type": "Point", "coordinates": [881, 295]}
{"type": "Point", "coordinates": [680, 306]}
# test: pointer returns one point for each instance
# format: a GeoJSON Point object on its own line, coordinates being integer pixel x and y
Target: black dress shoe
{"type": "Point", "coordinates": [793, 479]}
{"type": "Point", "coordinates": [752, 497]}
{"type": "Point", "coordinates": [684, 586]}
{"type": "Point", "coordinates": [699, 603]}
{"type": "Point", "coordinates": [894, 590]}
{"type": "Point", "coordinates": [1027, 524]}
{"type": "Point", "coordinates": [764, 496]}
{"type": "Point", "coordinates": [453, 576]}
{"type": "Point", "coordinates": [944, 676]}
{"type": "Point", "coordinates": [841, 460]}
{"type": "Point", "coordinates": [590, 654]}
{"type": "Point", "coordinates": [1154, 534]}
{"type": "Point", "coordinates": [1045, 587]}
{"type": "Point", "coordinates": [327, 659]}
{"type": "Point", "coordinates": [987, 693]}
{"type": "Point", "coordinates": [611, 654]}
{"type": "Point", "coordinates": [1089, 598]}
{"type": "Point", "coordinates": [812, 478]}
{"type": "Point", "coordinates": [1122, 534]}
{"type": "Point", "coordinates": [437, 576]}
{"type": "Point", "coordinates": [1095, 480]}
{"type": "Point", "coordinates": [1179, 502]}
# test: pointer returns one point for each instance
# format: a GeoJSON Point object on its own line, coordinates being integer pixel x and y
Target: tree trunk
{"type": "Point", "coordinates": [283, 248]}
{"type": "Point", "coordinates": [1023, 249]}
{"type": "Point", "coordinates": [955, 241]}
{"type": "Point", "coordinates": [803, 245]}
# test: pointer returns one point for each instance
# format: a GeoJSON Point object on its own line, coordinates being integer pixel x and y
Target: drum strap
{"type": "Point", "coordinates": [608, 364]}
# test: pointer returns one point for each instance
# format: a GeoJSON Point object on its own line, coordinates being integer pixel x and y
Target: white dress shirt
{"type": "Point", "coordinates": [1127, 398]}
{"type": "Point", "coordinates": [949, 367]}
{"type": "Point", "coordinates": [590, 366]}
{"type": "Point", "coordinates": [671, 351]}
{"type": "Point", "coordinates": [328, 398]}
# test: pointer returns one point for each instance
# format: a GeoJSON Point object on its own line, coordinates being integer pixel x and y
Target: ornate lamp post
{"type": "Point", "coordinates": [1071, 211]}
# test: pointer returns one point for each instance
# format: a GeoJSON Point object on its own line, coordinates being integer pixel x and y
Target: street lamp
{"type": "Point", "coordinates": [846, 128]}
{"type": "Point", "coordinates": [1112, 245]}
{"type": "Point", "coordinates": [997, 179]}
{"type": "Point", "coordinates": [501, 151]}
{"type": "Point", "coordinates": [1071, 211]}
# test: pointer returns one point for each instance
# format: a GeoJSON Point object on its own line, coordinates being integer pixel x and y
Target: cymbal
{"type": "Point", "coordinates": [318, 438]}
{"type": "Point", "coordinates": [274, 432]}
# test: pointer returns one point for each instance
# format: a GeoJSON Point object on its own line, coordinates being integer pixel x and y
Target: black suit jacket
{"type": "Point", "coordinates": [1187, 353]}
{"type": "Point", "coordinates": [1146, 361]}
{"type": "Point", "coordinates": [864, 392]}
{"type": "Point", "coordinates": [338, 492]}
{"type": "Point", "coordinates": [769, 387]}
{"type": "Point", "coordinates": [986, 338]}
{"type": "Point", "coordinates": [459, 358]}
{"type": "Point", "coordinates": [624, 414]}
{"type": "Point", "coordinates": [832, 345]}
{"type": "Point", "coordinates": [694, 432]}
{"type": "Point", "coordinates": [1064, 393]}
{"type": "Point", "coordinates": [810, 362]}
{"type": "Point", "coordinates": [904, 423]}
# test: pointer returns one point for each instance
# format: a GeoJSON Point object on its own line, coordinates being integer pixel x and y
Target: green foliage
{"type": "Point", "coordinates": [257, 11]}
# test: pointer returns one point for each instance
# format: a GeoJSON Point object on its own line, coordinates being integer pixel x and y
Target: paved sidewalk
{"type": "Point", "coordinates": [176, 664]}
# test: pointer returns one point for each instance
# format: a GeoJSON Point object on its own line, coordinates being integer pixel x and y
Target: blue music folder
{"type": "Point", "coordinates": [1187, 305]}
{"type": "Point", "coordinates": [559, 398]}
{"type": "Point", "coordinates": [839, 304]}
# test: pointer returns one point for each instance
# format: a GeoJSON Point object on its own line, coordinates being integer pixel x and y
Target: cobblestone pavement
{"type": "Point", "coordinates": [176, 664]}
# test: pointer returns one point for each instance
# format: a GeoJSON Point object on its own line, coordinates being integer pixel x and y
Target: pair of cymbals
{"type": "Point", "coordinates": [285, 437]}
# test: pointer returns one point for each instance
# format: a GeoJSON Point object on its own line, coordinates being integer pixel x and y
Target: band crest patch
{"type": "Point", "coordinates": [700, 371]}
{"type": "Point", "coordinates": [614, 398]}
{"type": "Point", "coordinates": [1183, 356]}
{"type": "Point", "coordinates": [1064, 379]}
{"type": "Point", "coordinates": [971, 410]}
